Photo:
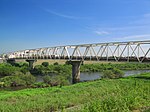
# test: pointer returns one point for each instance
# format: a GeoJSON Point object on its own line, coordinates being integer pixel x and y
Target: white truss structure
{"type": "Point", "coordinates": [113, 51]}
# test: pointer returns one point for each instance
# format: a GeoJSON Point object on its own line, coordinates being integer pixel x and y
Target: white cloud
{"type": "Point", "coordinates": [61, 15]}
{"type": "Point", "coordinates": [101, 32]}
{"type": "Point", "coordinates": [134, 37]}
{"type": "Point", "coordinates": [145, 36]}
{"type": "Point", "coordinates": [64, 15]}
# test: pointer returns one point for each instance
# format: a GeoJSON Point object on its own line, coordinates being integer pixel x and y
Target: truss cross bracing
{"type": "Point", "coordinates": [113, 51]}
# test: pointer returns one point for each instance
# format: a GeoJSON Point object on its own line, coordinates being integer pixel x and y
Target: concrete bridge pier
{"type": "Point", "coordinates": [30, 61]}
{"type": "Point", "coordinates": [75, 70]}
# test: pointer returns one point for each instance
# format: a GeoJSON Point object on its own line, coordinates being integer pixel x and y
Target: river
{"type": "Point", "coordinates": [97, 75]}
{"type": "Point", "coordinates": [87, 76]}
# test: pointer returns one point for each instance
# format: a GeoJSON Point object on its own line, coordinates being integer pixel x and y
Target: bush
{"type": "Point", "coordinates": [67, 63]}
{"type": "Point", "coordinates": [114, 73]}
{"type": "Point", "coordinates": [12, 81]}
{"type": "Point", "coordinates": [7, 69]}
{"type": "Point", "coordinates": [47, 79]}
{"type": "Point", "coordinates": [118, 73]}
{"type": "Point", "coordinates": [1, 84]}
{"type": "Point", "coordinates": [40, 70]}
{"type": "Point", "coordinates": [56, 63]}
{"type": "Point", "coordinates": [24, 69]}
{"type": "Point", "coordinates": [56, 80]}
{"type": "Point", "coordinates": [45, 64]}
{"type": "Point", "coordinates": [39, 85]}
{"type": "Point", "coordinates": [28, 78]}
{"type": "Point", "coordinates": [59, 80]}
{"type": "Point", "coordinates": [18, 79]}
{"type": "Point", "coordinates": [21, 64]}
{"type": "Point", "coordinates": [108, 74]}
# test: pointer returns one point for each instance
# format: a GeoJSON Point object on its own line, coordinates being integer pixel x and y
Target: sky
{"type": "Point", "coordinates": [29, 24]}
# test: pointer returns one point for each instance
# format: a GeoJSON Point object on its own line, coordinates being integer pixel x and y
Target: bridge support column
{"type": "Point", "coordinates": [75, 70]}
{"type": "Point", "coordinates": [30, 61]}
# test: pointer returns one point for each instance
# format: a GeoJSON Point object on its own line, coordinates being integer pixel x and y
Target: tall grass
{"type": "Point", "coordinates": [111, 95]}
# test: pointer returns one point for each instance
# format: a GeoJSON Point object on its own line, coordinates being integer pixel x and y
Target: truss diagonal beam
{"type": "Point", "coordinates": [116, 51]}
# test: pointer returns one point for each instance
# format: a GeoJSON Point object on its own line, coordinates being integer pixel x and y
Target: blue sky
{"type": "Point", "coordinates": [27, 24]}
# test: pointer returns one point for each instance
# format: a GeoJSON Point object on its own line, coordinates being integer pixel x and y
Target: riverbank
{"type": "Point", "coordinates": [19, 74]}
{"type": "Point", "coordinates": [120, 95]}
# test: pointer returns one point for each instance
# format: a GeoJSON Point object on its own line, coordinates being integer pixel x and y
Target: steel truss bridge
{"type": "Point", "coordinates": [114, 51]}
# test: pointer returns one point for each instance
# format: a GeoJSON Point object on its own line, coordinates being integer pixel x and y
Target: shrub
{"type": "Point", "coordinates": [45, 64]}
{"type": "Point", "coordinates": [47, 79]}
{"type": "Point", "coordinates": [24, 69]}
{"type": "Point", "coordinates": [118, 73]}
{"type": "Point", "coordinates": [12, 81]}
{"type": "Point", "coordinates": [39, 85]}
{"type": "Point", "coordinates": [108, 74]}
{"type": "Point", "coordinates": [1, 84]}
{"type": "Point", "coordinates": [38, 69]}
{"type": "Point", "coordinates": [7, 69]}
{"type": "Point", "coordinates": [21, 64]}
{"type": "Point", "coordinates": [59, 80]}
{"type": "Point", "coordinates": [114, 73]}
{"type": "Point", "coordinates": [67, 63]}
{"type": "Point", "coordinates": [56, 63]}
{"type": "Point", "coordinates": [17, 73]}
{"type": "Point", "coordinates": [18, 79]}
{"type": "Point", "coordinates": [25, 64]}
{"type": "Point", "coordinates": [28, 78]}
{"type": "Point", "coordinates": [56, 80]}
{"type": "Point", "coordinates": [58, 69]}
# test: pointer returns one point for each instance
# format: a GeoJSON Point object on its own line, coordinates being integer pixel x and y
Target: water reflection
{"type": "Point", "coordinates": [90, 76]}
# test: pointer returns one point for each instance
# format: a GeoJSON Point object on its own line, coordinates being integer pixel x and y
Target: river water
{"type": "Point", "coordinates": [97, 75]}
{"type": "Point", "coordinates": [87, 76]}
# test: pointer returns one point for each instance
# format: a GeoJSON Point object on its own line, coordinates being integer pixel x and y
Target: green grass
{"type": "Point", "coordinates": [109, 66]}
{"type": "Point", "coordinates": [116, 95]}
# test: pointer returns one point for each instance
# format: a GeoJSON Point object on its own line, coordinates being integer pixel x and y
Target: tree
{"type": "Point", "coordinates": [45, 64]}
{"type": "Point", "coordinates": [56, 63]}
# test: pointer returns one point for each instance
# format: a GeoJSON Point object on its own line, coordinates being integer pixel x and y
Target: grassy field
{"type": "Point", "coordinates": [115, 95]}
